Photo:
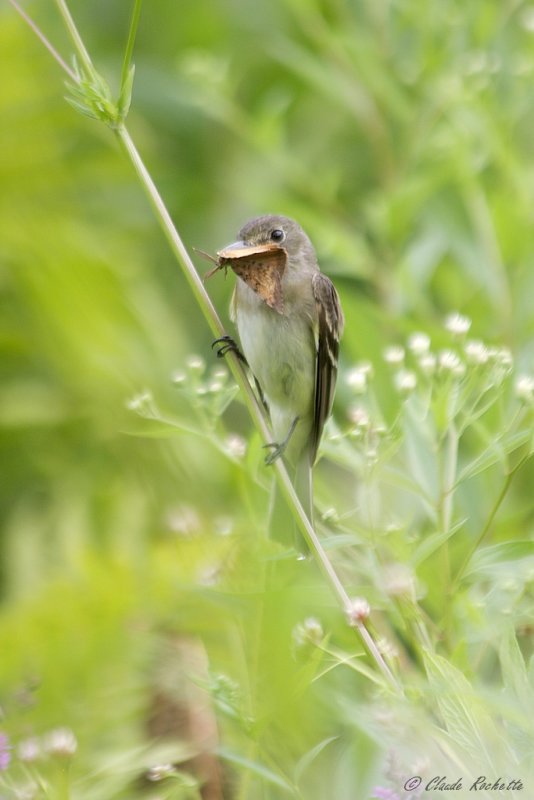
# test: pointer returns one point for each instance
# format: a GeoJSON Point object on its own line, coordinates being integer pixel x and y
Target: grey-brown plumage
{"type": "Point", "coordinates": [291, 346]}
{"type": "Point", "coordinates": [329, 329]}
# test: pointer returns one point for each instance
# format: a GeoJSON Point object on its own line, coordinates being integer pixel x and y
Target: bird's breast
{"type": "Point", "coordinates": [280, 350]}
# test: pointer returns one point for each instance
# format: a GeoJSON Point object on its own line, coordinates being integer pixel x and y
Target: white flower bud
{"type": "Point", "coordinates": [178, 377]}
{"type": "Point", "coordinates": [504, 357]}
{"type": "Point", "coordinates": [427, 363]}
{"type": "Point", "coordinates": [388, 649]}
{"type": "Point", "coordinates": [61, 742]}
{"type": "Point", "coordinates": [358, 611]}
{"type": "Point", "coordinates": [236, 445]}
{"type": "Point", "coordinates": [419, 343]}
{"type": "Point", "coordinates": [140, 403]}
{"type": "Point", "coordinates": [357, 380]}
{"type": "Point", "coordinates": [394, 355]}
{"type": "Point", "coordinates": [29, 750]}
{"type": "Point", "coordinates": [359, 417]}
{"type": "Point", "coordinates": [476, 352]}
{"type": "Point", "coordinates": [457, 324]}
{"type": "Point", "coordinates": [449, 361]}
{"type": "Point", "coordinates": [308, 632]}
{"type": "Point", "coordinates": [405, 381]}
{"type": "Point", "coordinates": [183, 520]}
{"type": "Point", "coordinates": [195, 363]}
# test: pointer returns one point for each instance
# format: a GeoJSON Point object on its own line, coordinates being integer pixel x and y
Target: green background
{"type": "Point", "coordinates": [399, 134]}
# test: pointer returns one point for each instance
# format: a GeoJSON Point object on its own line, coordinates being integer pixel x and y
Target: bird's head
{"type": "Point", "coordinates": [278, 231]}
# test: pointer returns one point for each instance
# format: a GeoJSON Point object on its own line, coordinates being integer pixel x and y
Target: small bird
{"type": "Point", "coordinates": [289, 319]}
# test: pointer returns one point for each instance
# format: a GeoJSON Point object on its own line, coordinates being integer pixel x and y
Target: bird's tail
{"type": "Point", "coordinates": [282, 526]}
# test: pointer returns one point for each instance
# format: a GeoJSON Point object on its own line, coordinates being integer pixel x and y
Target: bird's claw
{"type": "Point", "coordinates": [279, 449]}
{"type": "Point", "coordinates": [226, 344]}
{"type": "Point", "coordinates": [277, 452]}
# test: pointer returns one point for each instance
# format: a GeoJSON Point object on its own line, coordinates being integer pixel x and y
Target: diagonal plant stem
{"type": "Point", "coordinates": [254, 407]}
{"type": "Point", "coordinates": [49, 46]}
{"type": "Point", "coordinates": [489, 521]}
{"type": "Point", "coordinates": [77, 40]}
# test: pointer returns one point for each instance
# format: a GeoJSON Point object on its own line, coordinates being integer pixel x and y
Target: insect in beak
{"type": "Point", "coordinates": [260, 266]}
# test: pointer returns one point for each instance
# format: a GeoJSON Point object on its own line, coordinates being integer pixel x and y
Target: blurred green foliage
{"type": "Point", "coordinates": [399, 135]}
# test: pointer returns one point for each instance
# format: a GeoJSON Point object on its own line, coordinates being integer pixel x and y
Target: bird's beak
{"type": "Point", "coordinates": [239, 245]}
{"type": "Point", "coordinates": [239, 249]}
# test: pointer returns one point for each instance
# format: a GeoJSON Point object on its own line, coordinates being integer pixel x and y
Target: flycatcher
{"type": "Point", "coordinates": [289, 321]}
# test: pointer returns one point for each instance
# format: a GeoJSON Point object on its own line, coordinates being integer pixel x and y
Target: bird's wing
{"type": "Point", "coordinates": [329, 327]}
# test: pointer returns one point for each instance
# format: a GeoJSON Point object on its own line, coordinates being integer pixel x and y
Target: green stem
{"type": "Point", "coordinates": [178, 249]}
{"type": "Point", "coordinates": [489, 522]}
{"type": "Point", "coordinates": [75, 36]}
{"type": "Point", "coordinates": [134, 24]}
{"type": "Point", "coordinates": [63, 783]}
{"type": "Point", "coordinates": [449, 469]}
{"type": "Point", "coordinates": [49, 46]}
{"type": "Point", "coordinates": [449, 477]}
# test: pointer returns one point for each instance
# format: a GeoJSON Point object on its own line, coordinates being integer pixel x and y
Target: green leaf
{"type": "Point", "coordinates": [519, 697]}
{"type": "Point", "coordinates": [514, 670]}
{"type": "Point", "coordinates": [260, 770]}
{"type": "Point", "coordinates": [433, 542]}
{"type": "Point", "coordinates": [464, 712]}
{"type": "Point", "coordinates": [489, 559]}
{"type": "Point", "coordinates": [81, 107]}
{"type": "Point", "coordinates": [494, 454]}
{"type": "Point", "coordinates": [308, 758]}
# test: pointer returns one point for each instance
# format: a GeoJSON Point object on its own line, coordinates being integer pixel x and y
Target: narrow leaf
{"type": "Point", "coordinates": [308, 758]}
{"type": "Point", "coordinates": [257, 769]}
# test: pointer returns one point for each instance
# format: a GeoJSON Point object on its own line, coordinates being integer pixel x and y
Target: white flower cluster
{"type": "Point", "coordinates": [417, 361]}
{"type": "Point", "coordinates": [142, 404]}
{"type": "Point", "coordinates": [60, 742]}
{"type": "Point", "coordinates": [194, 378]}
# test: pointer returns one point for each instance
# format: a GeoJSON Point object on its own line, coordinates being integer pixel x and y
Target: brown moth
{"type": "Point", "coordinates": [261, 268]}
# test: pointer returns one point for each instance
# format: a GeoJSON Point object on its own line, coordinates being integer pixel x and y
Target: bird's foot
{"type": "Point", "coordinates": [225, 345]}
{"type": "Point", "coordinates": [279, 449]}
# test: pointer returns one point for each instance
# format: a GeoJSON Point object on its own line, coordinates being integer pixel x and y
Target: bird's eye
{"type": "Point", "coordinates": [277, 235]}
